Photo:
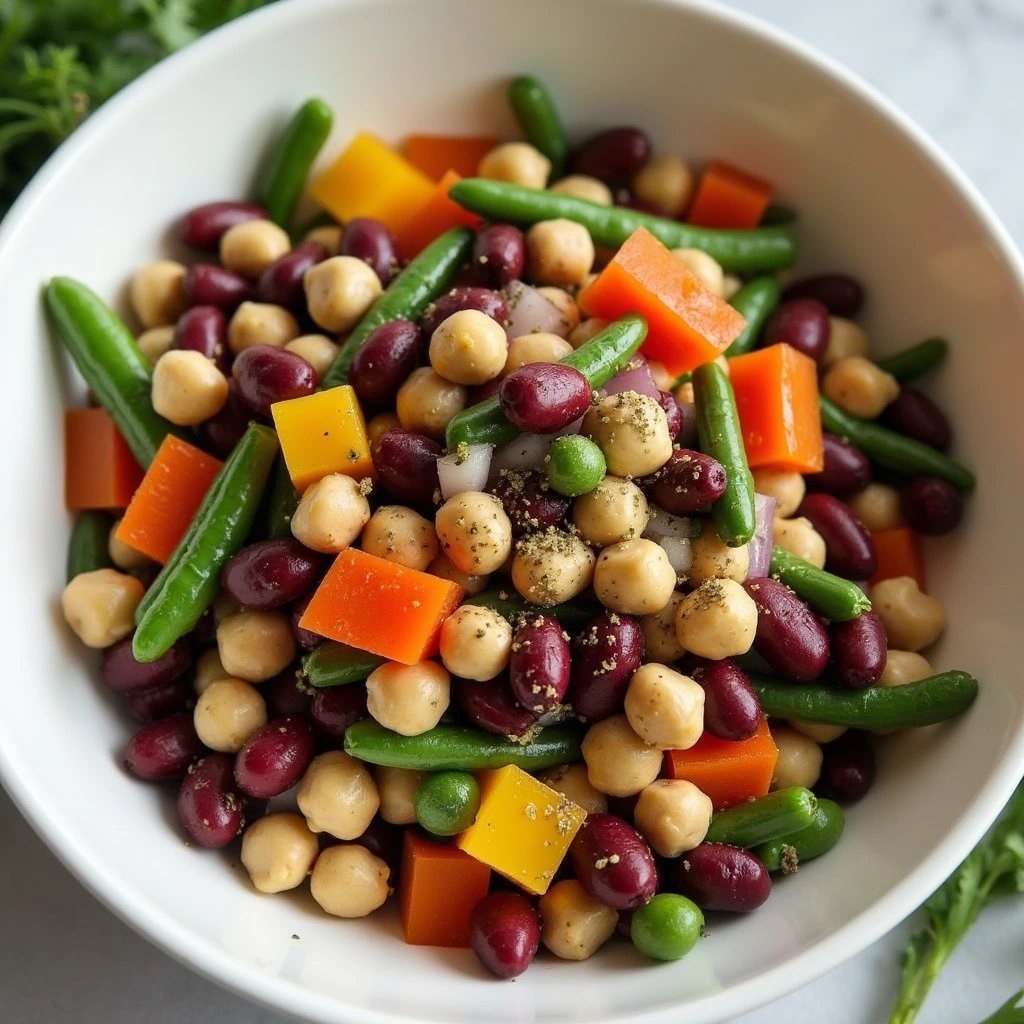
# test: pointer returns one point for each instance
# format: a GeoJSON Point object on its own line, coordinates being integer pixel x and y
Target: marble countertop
{"type": "Point", "coordinates": [957, 67]}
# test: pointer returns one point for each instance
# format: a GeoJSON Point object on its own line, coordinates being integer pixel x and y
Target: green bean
{"type": "Point", "coordinates": [281, 502]}
{"type": "Point", "coordinates": [426, 277]}
{"type": "Point", "coordinates": [598, 360]}
{"type": "Point", "coordinates": [788, 852]}
{"type": "Point", "coordinates": [461, 747]}
{"type": "Point", "coordinates": [777, 215]}
{"type": "Point", "coordinates": [107, 357]}
{"type": "Point", "coordinates": [189, 581]}
{"type": "Point", "coordinates": [915, 361]}
{"type": "Point", "coordinates": [334, 664]}
{"type": "Point", "coordinates": [751, 251]}
{"type": "Point", "coordinates": [718, 427]}
{"type": "Point", "coordinates": [934, 699]}
{"type": "Point", "coordinates": [756, 301]}
{"type": "Point", "coordinates": [538, 117]}
{"type": "Point", "coordinates": [832, 596]}
{"type": "Point", "coordinates": [89, 544]}
{"type": "Point", "coordinates": [766, 818]}
{"type": "Point", "coordinates": [573, 615]}
{"type": "Point", "coordinates": [901, 454]}
{"type": "Point", "coordinates": [287, 166]}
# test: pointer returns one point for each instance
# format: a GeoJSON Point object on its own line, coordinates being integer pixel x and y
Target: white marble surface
{"type": "Point", "coordinates": [957, 66]}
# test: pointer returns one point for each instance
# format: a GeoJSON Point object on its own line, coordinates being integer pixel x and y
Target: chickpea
{"type": "Point", "coordinates": [471, 583]}
{"type": "Point", "coordinates": [582, 186]}
{"type": "Point", "coordinates": [250, 247]}
{"type": "Point", "coordinates": [396, 788]}
{"type": "Point", "coordinates": [902, 667]}
{"type": "Point", "coordinates": [339, 291]}
{"type": "Point", "coordinates": [278, 851]}
{"type": "Point", "coordinates": [800, 538]}
{"type": "Point", "coordinates": [664, 707]}
{"type": "Point", "coordinates": [261, 323]}
{"type": "Point", "coordinates": [705, 268]}
{"type": "Point", "coordinates": [209, 668]}
{"type": "Point", "coordinates": [684, 393]}
{"type": "Point", "coordinates": [878, 507]}
{"type": "Point", "coordinates": [328, 235]}
{"type": "Point", "coordinates": [731, 284]}
{"type": "Point", "coordinates": [664, 182]}
{"type": "Point", "coordinates": [349, 881]}
{"type": "Point", "coordinates": [157, 293]}
{"type": "Point", "coordinates": [785, 486]}
{"type": "Point", "coordinates": [99, 606]}
{"type": "Point", "coordinates": [662, 378]}
{"type": "Point", "coordinates": [408, 699]}
{"type": "Point", "coordinates": [673, 815]}
{"type": "Point", "coordinates": [254, 645]}
{"type": "Point", "coordinates": [845, 339]}
{"type": "Point", "coordinates": [587, 329]}
{"type": "Point", "coordinates": [614, 511]}
{"type": "Point", "coordinates": [558, 252]}
{"type": "Point", "coordinates": [660, 643]}
{"type": "Point", "coordinates": [474, 531]}
{"type": "Point", "coordinates": [539, 347]}
{"type": "Point", "coordinates": [571, 780]}
{"type": "Point", "coordinates": [634, 577]}
{"type": "Point", "coordinates": [815, 731]}
{"type": "Point", "coordinates": [574, 926]}
{"type": "Point", "coordinates": [913, 619]}
{"type": "Point", "coordinates": [398, 534]}
{"type": "Point", "coordinates": [426, 402]}
{"type": "Point", "coordinates": [518, 163]}
{"type": "Point", "coordinates": [469, 347]}
{"type": "Point", "coordinates": [564, 303]}
{"type": "Point", "coordinates": [155, 342]}
{"type": "Point", "coordinates": [317, 349]}
{"type": "Point", "coordinates": [124, 556]}
{"type": "Point", "coordinates": [632, 431]}
{"type": "Point", "coordinates": [718, 620]}
{"type": "Point", "coordinates": [379, 425]}
{"type": "Point", "coordinates": [799, 762]}
{"type": "Point", "coordinates": [618, 761]}
{"type": "Point", "coordinates": [551, 566]}
{"type": "Point", "coordinates": [227, 713]}
{"type": "Point", "coordinates": [714, 559]}
{"type": "Point", "coordinates": [187, 387]}
{"type": "Point", "coordinates": [475, 643]}
{"type": "Point", "coordinates": [331, 514]}
{"type": "Point", "coordinates": [859, 387]}
{"type": "Point", "coordinates": [337, 795]}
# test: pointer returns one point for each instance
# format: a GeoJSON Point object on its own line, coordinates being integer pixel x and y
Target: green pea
{"type": "Point", "coordinates": [574, 465]}
{"type": "Point", "coordinates": [667, 927]}
{"type": "Point", "coordinates": [447, 802]}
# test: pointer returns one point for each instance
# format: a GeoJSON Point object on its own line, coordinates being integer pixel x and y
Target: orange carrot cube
{"type": "Point", "coordinates": [435, 155]}
{"type": "Point", "coordinates": [899, 554]}
{"type": "Point", "coordinates": [436, 216]}
{"type": "Point", "coordinates": [99, 468]}
{"type": "Point", "coordinates": [727, 197]}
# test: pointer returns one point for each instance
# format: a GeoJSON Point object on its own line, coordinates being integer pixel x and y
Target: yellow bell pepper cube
{"type": "Point", "coordinates": [523, 828]}
{"type": "Point", "coordinates": [321, 434]}
{"type": "Point", "coordinates": [370, 179]}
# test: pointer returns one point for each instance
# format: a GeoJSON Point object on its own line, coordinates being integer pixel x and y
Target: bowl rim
{"type": "Point", "coordinates": [291, 998]}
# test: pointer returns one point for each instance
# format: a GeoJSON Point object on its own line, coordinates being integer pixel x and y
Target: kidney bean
{"type": "Point", "coordinates": [270, 573]}
{"type": "Point", "coordinates": [222, 432]}
{"type": "Point", "coordinates": [305, 638]}
{"type": "Point", "coordinates": [505, 933]}
{"type": "Point", "coordinates": [540, 664]}
{"type": "Point", "coordinates": [499, 254]}
{"type": "Point", "coordinates": [274, 757]}
{"type": "Point", "coordinates": [204, 329]}
{"type": "Point", "coordinates": [163, 749]}
{"type": "Point", "coordinates": [335, 708]}
{"type": "Point", "coordinates": [849, 550]}
{"type": "Point", "coordinates": [731, 708]}
{"type": "Point", "coordinates": [540, 398]}
{"type": "Point", "coordinates": [790, 637]}
{"type": "Point", "coordinates": [264, 375]}
{"type": "Point", "coordinates": [673, 415]}
{"type": "Point", "coordinates": [840, 294]}
{"type": "Point", "coordinates": [287, 694]}
{"type": "Point", "coordinates": [209, 806]}
{"type": "Point", "coordinates": [281, 283]}
{"type": "Point", "coordinates": [847, 469]}
{"type": "Point", "coordinates": [613, 863]}
{"type": "Point", "coordinates": [210, 284]}
{"type": "Point", "coordinates": [915, 415]}
{"type": "Point", "coordinates": [407, 466]}
{"type": "Point", "coordinates": [123, 673]}
{"type": "Point", "coordinates": [858, 650]}
{"type": "Point", "coordinates": [614, 155]}
{"type": "Point", "coordinates": [848, 766]}
{"type": "Point", "coordinates": [150, 705]}
{"type": "Point", "coordinates": [624, 806]}
{"type": "Point", "coordinates": [491, 706]}
{"type": "Point", "coordinates": [720, 877]}
{"type": "Point", "coordinates": [689, 482]}
{"type": "Point", "coordinates": [801, 323]}
{"type": "Point", "coordinates": [203, 226]}
{"type": "Point", "coordinates": [383, 840]}
{"type": "Point", "coordinates": [624, 198]}
{"type": "Point", "coordinates": [204, 632]}
{"type": "Point", "coordinates": [687, 436]}
{"type": "Point", "coordinates": [370, 241]}
{"type": "Point", "coordinates": [481, 392]}
{"type": "Point", "coordinates": [528, 501]}
{"type": "Point", "coordinates": [932, 506]}
{"type": "Point", "coordinates": [604, 657]}
{"type": "Point", "coordinates": [482, 299]}
{"type": "Point", "coordinates": [388, 355]}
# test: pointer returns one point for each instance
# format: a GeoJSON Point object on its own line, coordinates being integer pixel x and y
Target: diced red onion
{"type": "Point", "coordinates": [636, 376]}
{"type": "Point", "coordinates": [527, 451]}
{"type": "Point", "coordinates": [662, 525]}
{"type": "Point", "coordinates": [680, 553]}
{"type": "Point", "coordinates": [529, 311]}
{"type": "Point", "coordinates": [466, 474]}
{"type": "Point", "coordinates": [760, 547]}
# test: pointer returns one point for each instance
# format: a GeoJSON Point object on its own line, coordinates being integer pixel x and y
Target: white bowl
{"type": "Point", "coordinates": [876, 198]}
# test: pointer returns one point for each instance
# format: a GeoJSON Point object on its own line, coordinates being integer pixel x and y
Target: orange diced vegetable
{"type": "Point", "coordinates": [381, 607]}
{"type": "Point", "coordinates": [777, 397]}
{"type": "Point", "coordinates": [438, 888]}
{"type": "Point", "coordinates": [729, 771]}
{"type": "Point", "coordinates": [168, 497]}
{"type": "Point", "coordinates": [99, 468]}
{"type": "Point", "coordinates": [727, 197]}
{"type": "Point", "coordinates": [435, 217]}
{"type": "Point", "coordinates": [686, 324]}
{"type": "Point", "coordinates": [899, 554]}
{"type": "Point", "coordinates": [435, 155]}
{"type": "Point", "coordinates": [370, 179]}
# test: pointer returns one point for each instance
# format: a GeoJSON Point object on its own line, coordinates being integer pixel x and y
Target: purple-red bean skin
{"type": "Point", "coordinates": [210, 808]}
{"type": "Point", "coordinates": [274, 757]}
{"type": "Point", "coordinates": [846, 469]}
{"type": "Point", "coordinates": [499, 254]}
{"type": "Point", "coordinates": [614, 155]}
{"type": "Point", "coordinates": [406, 463]}
{"type": "Point", "coordinates": [604, 657]}
{"type": "Point", "coordinates": [858, 650]}
{"type": "Point", "coordinates": [720, 877]}
{"type": "Point", "coordinates": [801, 323]}
{"type": "Point", "coordinates": [491, 706]}
{"type": "Point", "coordinates": [122, 672]}
{"type": "Point", "coordinates": [932, 506]}
{"type": "Point", "coordinates": [204, 329]}
{"type": "Point", "coordinates": [388, 355]}
{"type": "Point", "coordinates": [528, 501]}
{"type": "Point", "coordinates": [505, 933]}
{"type": "Point", "coordinates": [169, 699]}
{"type": "Point", "coordinates": [210, 284]}
{"type": "Point", "coordinates": [287, 694]}
{"type": "Point", "coordinates": [915, 415]}
{"type": "Point", "coordinates": [540, 398]}
{"type": "Point", "coordinates": [370, 241]}
{"type": "Point", "coordinates": [468, 297]}
{"type": "Point", "coordinates": [731, 708]}
{"type": "Point", "coordinates": [790, 637]}
{"type": "Point", "coordinates": [335, 708]}
{"type": "Point", "coordinates": [849, 550]}
{"type": "Point", "coordinates": [841, 294]}
{"type": "Point", "coordinates": [673, 414]}
{"type": "Point", "coordinates": [540, 664]}
{"type": "Point", "coordinates": [222, 432]}
{"type": "Point", "coordinates": [305, 638]}
{"type": "Point", "coordinates": [282, 282]}
{"type": "Point", "coordinates": [270, 573]}
{"type": "Point", "coordinates": [848, 767]}
{"type": "Point", "coordinates": [202, 227]}
{"type": "Point", "coordinates": [163, 749]}
{"type": "Point", "coordinates": [613, 863]}
{"type": "Point", "coordinates": [689, 482]}
{"type": "Point", "coordinates": [264, 375]}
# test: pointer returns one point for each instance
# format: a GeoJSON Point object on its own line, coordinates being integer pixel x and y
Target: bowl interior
{"type": "Point", "coordinates": [872, 202]}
